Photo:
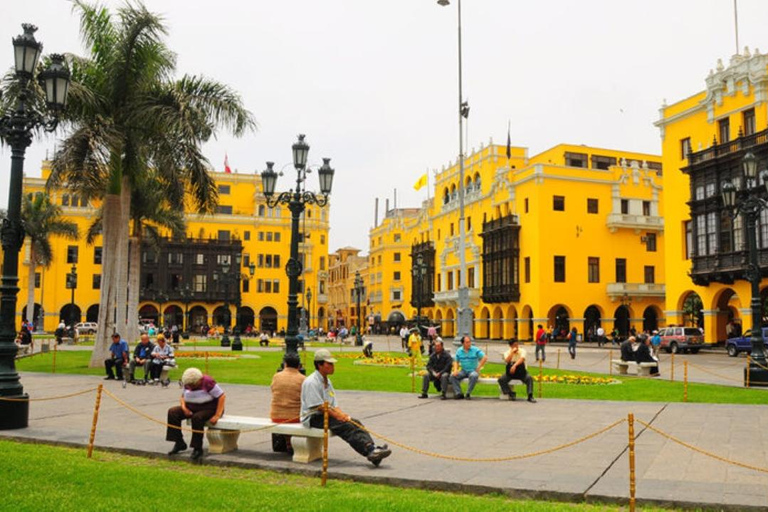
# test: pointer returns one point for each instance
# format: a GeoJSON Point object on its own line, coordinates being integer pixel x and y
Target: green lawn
{"type": "Point", "coordinates": [40, 477]}
{"type": "Point", "coordinates": [259, 371]}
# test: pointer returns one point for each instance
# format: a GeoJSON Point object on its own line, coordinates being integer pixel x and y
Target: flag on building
{"type": "Point", "coordinates": [509, 141]}
{"type": "Point", "coordinates": [226, 164]}
{"type": "Point", "coordinates": [421, 182]}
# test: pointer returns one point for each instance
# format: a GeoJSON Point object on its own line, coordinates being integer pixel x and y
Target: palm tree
{"type": "Point", "coordinates": [129, 116]}
{"type": "Point", "coordinates": [42, 219]}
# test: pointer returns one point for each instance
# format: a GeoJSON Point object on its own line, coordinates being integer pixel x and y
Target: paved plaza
{"type": "Point", "coordinates": [596, 469]}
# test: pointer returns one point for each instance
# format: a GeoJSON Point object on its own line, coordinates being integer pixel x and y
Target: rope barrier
{"type": "Point", "coordinates": [187, 429]}
{"type": "Point", "coordinates": [714, 373]}
{"type": "Point", "coordinates": [701, 451]}
{"type": "Point", "coordinates": [60, 397]}
{"type": "Point", "coordinates": [491, 459]}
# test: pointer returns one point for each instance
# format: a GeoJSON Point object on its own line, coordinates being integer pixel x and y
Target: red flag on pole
{"type": "Point", "coordinates": [226, 164]}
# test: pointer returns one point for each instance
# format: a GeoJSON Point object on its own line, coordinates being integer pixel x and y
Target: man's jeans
{"type": "Point", "coordinates": [132, 368]}
{"type": "Point", "coordinates": [456, 381]}
{"type": "Point", "coordinates": [356, 437]}
{"type": "Point", "coordinates": [441, 384]}
{"type": "Point", "coordinates": [540, 348]}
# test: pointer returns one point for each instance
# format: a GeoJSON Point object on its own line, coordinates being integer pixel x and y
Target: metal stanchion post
{"type": "Point", "coordinates": [55, 349]}
{"type": "Point", "coordinates": [685, 381]}
{"type": "Point", "coordinates": [206, 363]}
{"type": "Point", "coordinates": [632, 488]}
{"type": "Point", "coordinates": [95, 420]}
{"type": "Point", "coordinates": [541, 379]}
{"type": "Point", "coordinates": [610, 362]}
{"type": "Point", "coordinates": [672, 368]}
{"type": "Point", "coordinates": [558, 359]}
{"type": "Point", "coordinates": [325, 443]}
{"type": "Point", "coordinates": [413, 377]}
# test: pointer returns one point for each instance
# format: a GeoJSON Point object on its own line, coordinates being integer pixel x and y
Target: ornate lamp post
{"type": "Point", "coordinates": [237, 344]}
{"type": "Point", "coordinates": [16, 129]}
{"type": "Point", "coordinates": [225, 268]}
{"type": "Point", "coordinates": [359, 289]}
{"type": "Point", "coordinates": [186, 297]}
{"type": "Point", "coordinates": [308, 295]}
{"type": "Point", "coordinates": [296, 199]}
{"type": "Point", "coordinates": [161, 297]}
{"type": "Point", "coordinates": [746, 201]}
{"type": "Point", "coordinates": [419, 272]}
{"type": "Point", "coordinates": [72, 285]}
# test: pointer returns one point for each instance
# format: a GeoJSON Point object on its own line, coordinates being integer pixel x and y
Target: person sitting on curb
{"type": "Point", "coordinates": [202, 400]}
{"type": "Point", "coordinates": [468, 363]}
{"type": "Point", "coordinates": [142, 356]}
{"type": "Point", "coordinates": [318, 389]}
{"type": "Point", "coordinates": [438, 370]}
{"type": "Point", "coordinates": [286, 399]}
{"type": "Point", "coordinates": [162, 355]}
{"type": "Point", "coordinates": [119, 358]}
{"type": "Point", "coordinates": [515, 359]}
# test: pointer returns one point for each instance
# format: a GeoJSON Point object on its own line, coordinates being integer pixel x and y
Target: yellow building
{"type": "Point", "coordinates": [572, 237]}
{"type": "Point", "coordinates": [704, 138]}
{"type": "Point", "coordinates": [342, 301]}
{"type": "Point", "coordinates": [190, 280]}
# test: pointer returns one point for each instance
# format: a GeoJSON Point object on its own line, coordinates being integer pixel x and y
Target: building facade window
{"type": "Point", "coordinates": [647, 208]}
{"type": "Point", "coordinates": [224, 234]}
{"type": "Point", "coordinates": [224, 209]}
{"type": "Point", "coordinates": [625, 206]}
{"type": "Point", "coordinates": [72, 253]}
{"type": "Point", "coordinates": [650, 242]}
{"type": "Point", "coordinates": [396, 256]}
{"type": "Point", "coordinates": [748, 121]}
{"type": "Point", "coordinates": [224, 189]}
{"type": "Point", "coordinates": [576, 159]}
{"type": "Point", "coordinates": [558, 203]}
{"type": "Point", "coordinates": [96, 281]}
{"type": "Point", "coordinates": [724, 128]}
{"type": "Point", "coordinates": [592, 205]}
{"type": "Point", "coordinates": [97, 252]}
{"type": "Point", "coordinates": [685, 148]}
{"type": "Point", "coordinates": [37, 280]}
{"type": "Point", "coordinates": [501, 260]}
{"type": "Point", "coordinates": [246, 235]}
{"type": "Point", "coordinates": [527, 267]}
{"type": "Point", "coordinates": [621, 270]}
{"type": "Point", "coordinates": [593, 270]}
{"type": "Point", "coordinates": [649, 273]}
{"type": "Point", "coordinates": [559, 270]}
{"type": "Point", "coordinates": [396, 275]}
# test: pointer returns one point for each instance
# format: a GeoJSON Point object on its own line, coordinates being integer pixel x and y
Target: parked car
{"type": "Point", "coordinates": [86, 327]}
{"type": "Point", "coordinates": [742, 343]}
{"type": "Point", "coordinates": [677, 339]}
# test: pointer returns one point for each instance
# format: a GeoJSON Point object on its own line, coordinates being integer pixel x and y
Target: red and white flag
{"type": "Point", "coordinates": [226, 164]}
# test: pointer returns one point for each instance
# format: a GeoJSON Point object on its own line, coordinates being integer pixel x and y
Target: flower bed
{"type": "Point", "coordinates": [202, 355]}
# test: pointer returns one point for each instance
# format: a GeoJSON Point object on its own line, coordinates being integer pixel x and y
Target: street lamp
{"type": "Point", "coordinates": [225, 268]}
{"type": "Point", "coordinates": [236, 277]}
{"type": "Point", "coordinates": [308, 295]}
{"type": "Point", "coordinates": [464, 313]}
{"type": "Point", "coordinates": [747, 202]}
{"type": "Point", "coordinates": [186, 294]}
{"type": "Point", "coordinates": [16, 129]}
{"type": "Point", "coordinates": [419, 272]}
{"type": "Point", "coordinates": [296, 199]}
{"type": "Point", "coordinates": [72, 285]}
{"type": "Point", "coordinates": [358, 295]}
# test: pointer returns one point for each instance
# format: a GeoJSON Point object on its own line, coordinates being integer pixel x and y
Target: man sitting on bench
{"type": "Point", "coordinates": [467, 365]}
{"type": "Point", "coordinates": [644, 355]}
{"type": "Point", "coordinates": [316, 390]}
{"type": "Point", "coordinates": [515, 359]}
{"type": "Point", "coordinates": [627, 352]}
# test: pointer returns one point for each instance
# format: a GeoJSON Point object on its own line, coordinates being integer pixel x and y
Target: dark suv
{"type": "Point", "coordinates": [742, 343]}
{"type": "Point", "coordinates": [676, 339]}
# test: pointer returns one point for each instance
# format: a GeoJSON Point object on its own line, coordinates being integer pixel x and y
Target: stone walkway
{"type": "Point", "coordinates": [595, 469]}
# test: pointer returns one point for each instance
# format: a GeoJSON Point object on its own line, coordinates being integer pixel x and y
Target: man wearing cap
{"type": "Point", "coordinates": [438, 370]}
{"type": "Point", "coordinates": [119, 350]}
{"type": "Point", "coordinates": [515, 359]}
{"type": "Point", "coordinates": [656, 343]}
{"type": "Point", "coordinates": [318, 389]}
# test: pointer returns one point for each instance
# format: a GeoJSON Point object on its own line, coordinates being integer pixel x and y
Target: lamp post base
{"type": "Point", "coordinates": [292, 344]}
{"type": "Point", "coordinates": [237, 344]}
{"type": "Point", "coordinates": [758, 375]}
{"type": "Point", "coordinates": [14, 414]}
{"type": "Point", "coordinates": [225, 340]}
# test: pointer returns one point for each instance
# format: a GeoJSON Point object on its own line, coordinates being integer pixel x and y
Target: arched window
{"type": "Point", "coordinates": [262, 210]}
{"type": "Point", "coordinates": [446, 196]}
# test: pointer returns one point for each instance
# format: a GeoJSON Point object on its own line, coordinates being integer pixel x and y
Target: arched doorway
{"type": "Point", "coordinates": [320, 321]}
{"type": "Point", "coordinates": [222, 317]}
{"type": "Point", "coordinates": [592, 319]}
{"type": "Point", "coordinates": [650, 319]}
{"type": "Point", "coordinates": [36, 318]}
{"type": "Point", "coordinates": [621, 322]}
{"type": "Point", "coordinates": [693, 311]}
{"type": "Point", "coordinates": [149, 312]}
{"type": "Point", "coordinates": [497, 324]}
{"type": "Point", "coordinates": [268, 319]}
{"type": "Point", "coordinates": [560, 318]}
{"type": "Point", "coordinates": [449, 323]}
{"type": "Point", "coordinates": [173, 315]}
{"type": "Point", "coordinates": [482, 330]}
{"type": "Point", "coordinates": [70, 314]}
{"type": "Point", "coordinates": [92, 313]}
{"type": "Point", "coordinates": [510, 324]}
{"type": "Point", "coordinates": [198, 317]}
{"type": "Point", "coordinates": [247, 317]}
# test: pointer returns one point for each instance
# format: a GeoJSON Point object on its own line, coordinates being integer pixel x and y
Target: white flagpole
{"type": "Point", "coordinates": [736, 23]}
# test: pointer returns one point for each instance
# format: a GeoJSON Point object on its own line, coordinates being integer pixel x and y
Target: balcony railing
{"type": "Point", "coordinates": [451, 297]}
{"type": "Point", "coordinates": [617, 290]}
{"type": "Point", "coordinates": [733, 146]}
{"type": "Point", "coordinates": [640, 222]}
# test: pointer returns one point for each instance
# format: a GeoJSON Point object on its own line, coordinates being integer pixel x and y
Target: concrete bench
{"type": "Point", "coordinates": [642, 369]}
{"type": "Point", "coordinates": [485, 380]}
{"type": "Point", "coordinates": [307, 443]}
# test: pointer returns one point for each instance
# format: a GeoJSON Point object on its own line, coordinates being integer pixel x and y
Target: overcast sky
{"type": "Point", "coordinates": [373, 84]}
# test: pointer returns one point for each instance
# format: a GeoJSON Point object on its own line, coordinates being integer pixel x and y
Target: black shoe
{"type": "Point", "coordinates": [511, 397]}
{"type": "Point", "coordinates": [109, 377]}
{"type": "Point", "coordinates": [197, 454]}
{"type": "Point", "coordinates": [443, 397]}
{"type": "Point", "coordinates": [460, 396]}
{"type": "Point", "coordinates": [378, 454]}
{"type": "Point", "coordinates": [180, 446]}
{"type": "Point", "coordinates": [531, 399]}
{"type": "Point", "coordinates": [423, 395]}
{"type": "Point", "coordinates": [468, 397]}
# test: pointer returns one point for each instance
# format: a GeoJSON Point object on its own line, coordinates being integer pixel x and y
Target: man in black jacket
{"type": "Point", "coordinates": [438, 370]}
{"type": "Point", "coordinates": [627, 353]}
{"type": "Point", "coordinates": [643, 355]}
{"type": "Point", "coordinates": [142, 356]}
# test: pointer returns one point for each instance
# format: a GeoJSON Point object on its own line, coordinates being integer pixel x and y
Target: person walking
{"type": "Point", "coordinates": [573, 337]}
{"type": "Point", "coordinates": [541, 343]}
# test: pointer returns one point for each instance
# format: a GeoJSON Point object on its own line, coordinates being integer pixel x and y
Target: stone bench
{"type": "Point", "coordinates": [307, 443]}
{"type": "Point", "coordinates": [642, 369]}
{"type": "Point", "coordinates": [485, 380]}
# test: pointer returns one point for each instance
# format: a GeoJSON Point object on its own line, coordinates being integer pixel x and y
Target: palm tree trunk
{"type": "Point", "coordinates": [122, 258]}
{"type": "Point", "coordinates": [110, 232]}
{"type": "Point", "coordinates": [31, 285]}
{"type": "Point", "coordinates": [134, 281]}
